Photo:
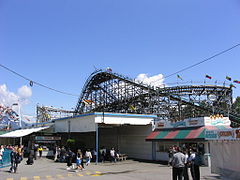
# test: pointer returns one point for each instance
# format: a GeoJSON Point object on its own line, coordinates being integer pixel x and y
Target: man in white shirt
{"type": "Point", "coordinates": [113, 155]}
{"type": "Point", "coordinates": [195, 170]}
{"type": "Point", "coordinates": [1, 154]}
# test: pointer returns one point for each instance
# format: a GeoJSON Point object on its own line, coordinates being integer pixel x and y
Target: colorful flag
{"type": "Point", "coordinates": [178, 76]}
{"type": "Point", "coordinates": [87, 101]}
{"type": "Point", "coordinates": [209, 77]}
{"type": "Point", "coordinates": [231, 85]}
{"type": "Point", "coordinates": [228, 78]}
{"type": "Point", "coordinates": [236, 81]}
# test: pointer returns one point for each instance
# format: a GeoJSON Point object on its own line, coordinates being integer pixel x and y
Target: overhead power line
{"type": "Point", "coordinates": [70, 94]}
{"type": "Point", "coordinates": [37, 83]}
{"type": "Point", "coordinates": [200, 62]}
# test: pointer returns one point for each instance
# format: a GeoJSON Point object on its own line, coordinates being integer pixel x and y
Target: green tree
{"type": "Point", "coordinates": [235, 120]}
{"type": "Point", "coordinates": [236, 106]}
{"type": "Point", "coordinates": [71, 144]}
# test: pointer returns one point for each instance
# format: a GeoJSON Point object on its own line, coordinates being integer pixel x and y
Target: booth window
{"type": "Point", "coordinates": [164, 146]}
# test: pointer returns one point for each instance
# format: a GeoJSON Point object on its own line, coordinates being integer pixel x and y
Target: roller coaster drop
{"type": "Point", "coordinates": [105, 91]}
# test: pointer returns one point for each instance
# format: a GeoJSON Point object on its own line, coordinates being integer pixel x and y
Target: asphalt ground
{"type": "Point", "coordinates": [46, 169]}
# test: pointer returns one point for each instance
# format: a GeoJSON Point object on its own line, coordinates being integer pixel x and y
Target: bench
{"type": "Point", "coordinates": [122, 157]}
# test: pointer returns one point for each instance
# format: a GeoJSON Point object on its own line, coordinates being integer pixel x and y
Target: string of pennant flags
{"type": "Point", "coordinates": [210, 77]}
{"type": "Point", "coordinates": [88, 102]}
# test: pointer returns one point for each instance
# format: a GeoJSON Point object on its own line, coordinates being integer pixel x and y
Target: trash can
{"type": "Point", "coordinates": [207, 160]}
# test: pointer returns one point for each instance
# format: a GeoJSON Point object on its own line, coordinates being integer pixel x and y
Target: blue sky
{"type": "Point", "coordinates": [58, 43]}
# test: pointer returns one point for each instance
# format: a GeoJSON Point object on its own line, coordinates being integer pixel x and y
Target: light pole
{"type": "Point", "coordinates": [20, 117]}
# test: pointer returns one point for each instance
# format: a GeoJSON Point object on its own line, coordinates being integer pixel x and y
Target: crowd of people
{"type": "Point", "coordinates": [16, 156]}
{"type": "Point", "coordinates": [182, 159]}
{"type": "Point", "coordinates": [76, 160]}
{"type": "Point", "coordinates": [17, 153]}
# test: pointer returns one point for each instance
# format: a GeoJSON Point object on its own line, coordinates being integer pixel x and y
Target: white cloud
{"type": "Point", "coordinates": [156, 80]}
{"type": "Point", "coordinates": [25, 92]}
{"type": "Point", "coordinates": [8, 98]}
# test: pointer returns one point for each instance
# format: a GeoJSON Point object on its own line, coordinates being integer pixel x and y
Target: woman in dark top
{"type": "Point", "coordinates": [15, 159]}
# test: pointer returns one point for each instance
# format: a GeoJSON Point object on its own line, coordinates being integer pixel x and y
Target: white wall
{"type": "Point", "coordinates": [162, 156]}
{"type": "Point", "coordinates": [225, 158]}
{"type": "Point", "coordinates": [77, 124]}
{"type": "Point", "coordinates": [124, 119]}
{"type": "Point", "coordinates": [86, 123]}
{"type": "Point", "coordinates": [131, 141]}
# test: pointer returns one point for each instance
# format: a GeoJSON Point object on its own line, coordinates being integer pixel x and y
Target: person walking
{"type": "Point", "coordinates": [195, 162]}
{"type": "Point", "coordinates": [178, 163]}
{"type": "Point", "coordinates": [20, 152]}
{"type": "Point", "coordinates": [57, 153]}
{"type": "Point", "coordinates": [113, 155]}
{"type": "Point", "coordinates": [63, 153]}
{"type": "Point", "coordinates": [79, 158]}
{"type": "Point", "coordinates": [69, 158]}
{"type": "Point", "coordinates": [40, 150]}
{"type": "Point", "coordinates": [15, 159]}
{"type": "Point", "coordinates": [30, 157]}
{"type": "Point", "coordinates": [185, 171]}
{"type": "Point", "coordinates": [35, 148]}
{"type": "Point", "coordinates": [170, 155]}
{"type": "Point", "coordinates": [88, 156]}
{"type": "Point", "coordinates": [1, 155]}
{"type": "Point", "coordinates": [103, 153]}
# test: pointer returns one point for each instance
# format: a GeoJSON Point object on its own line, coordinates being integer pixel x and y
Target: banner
{"type": "Point", "coordinates": [226, 134]}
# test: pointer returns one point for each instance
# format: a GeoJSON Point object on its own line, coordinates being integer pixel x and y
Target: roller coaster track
{"type": "Point", "coordinates": [105, 91]}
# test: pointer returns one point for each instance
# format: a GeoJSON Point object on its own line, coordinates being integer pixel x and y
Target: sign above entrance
{"type": "Point", "coordinates": [192, 122]}
{"type": "Point", "coordinates": [47, 138]}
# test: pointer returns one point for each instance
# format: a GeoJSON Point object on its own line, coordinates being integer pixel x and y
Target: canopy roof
{"type": "Point", "coordinates": [180, 134]}
{"type": "Point", "coordinates": [22, 132]}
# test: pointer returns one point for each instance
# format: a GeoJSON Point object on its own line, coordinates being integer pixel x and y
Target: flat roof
{"type": "Point", "coordinates": [22, 132]}
{"type": "Point", "coordinates": [109, 114]}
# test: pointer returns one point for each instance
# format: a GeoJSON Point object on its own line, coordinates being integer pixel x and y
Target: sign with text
{"type": "Point", "coordinates": [47, 138]}
{"type": "Point", "coordinates": [226, 134]}
{"type": "Point", "coordinates": [211, 134]}
{"type": "Point", "coordinates": [237, 133]}
{"type": "Point", "coordinates": [192, 122]}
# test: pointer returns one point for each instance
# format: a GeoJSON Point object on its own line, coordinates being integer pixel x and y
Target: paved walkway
{"type": "Point", "coordinates": [45, 169]}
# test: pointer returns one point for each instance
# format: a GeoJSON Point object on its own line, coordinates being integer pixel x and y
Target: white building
{"type": "Point", "coordinates": [125, 132]}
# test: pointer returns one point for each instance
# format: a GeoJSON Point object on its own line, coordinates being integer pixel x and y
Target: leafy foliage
{"type": "Point", "coordinates": [236, 106]}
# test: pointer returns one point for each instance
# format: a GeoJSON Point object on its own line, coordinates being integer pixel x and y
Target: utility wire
{"type": "Point", "coordinates": [35, 82]}
{"type": "Point", "coordinates": [200, 62]}
{"type": "Point", "coordinates": [70, 94]}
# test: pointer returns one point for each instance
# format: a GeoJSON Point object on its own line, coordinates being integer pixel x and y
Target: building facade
{"type": "Point", "coordinates": [187, 133]}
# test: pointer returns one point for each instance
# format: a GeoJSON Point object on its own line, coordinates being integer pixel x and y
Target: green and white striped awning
{"type": "Point", "coordinates": [180, 134]}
